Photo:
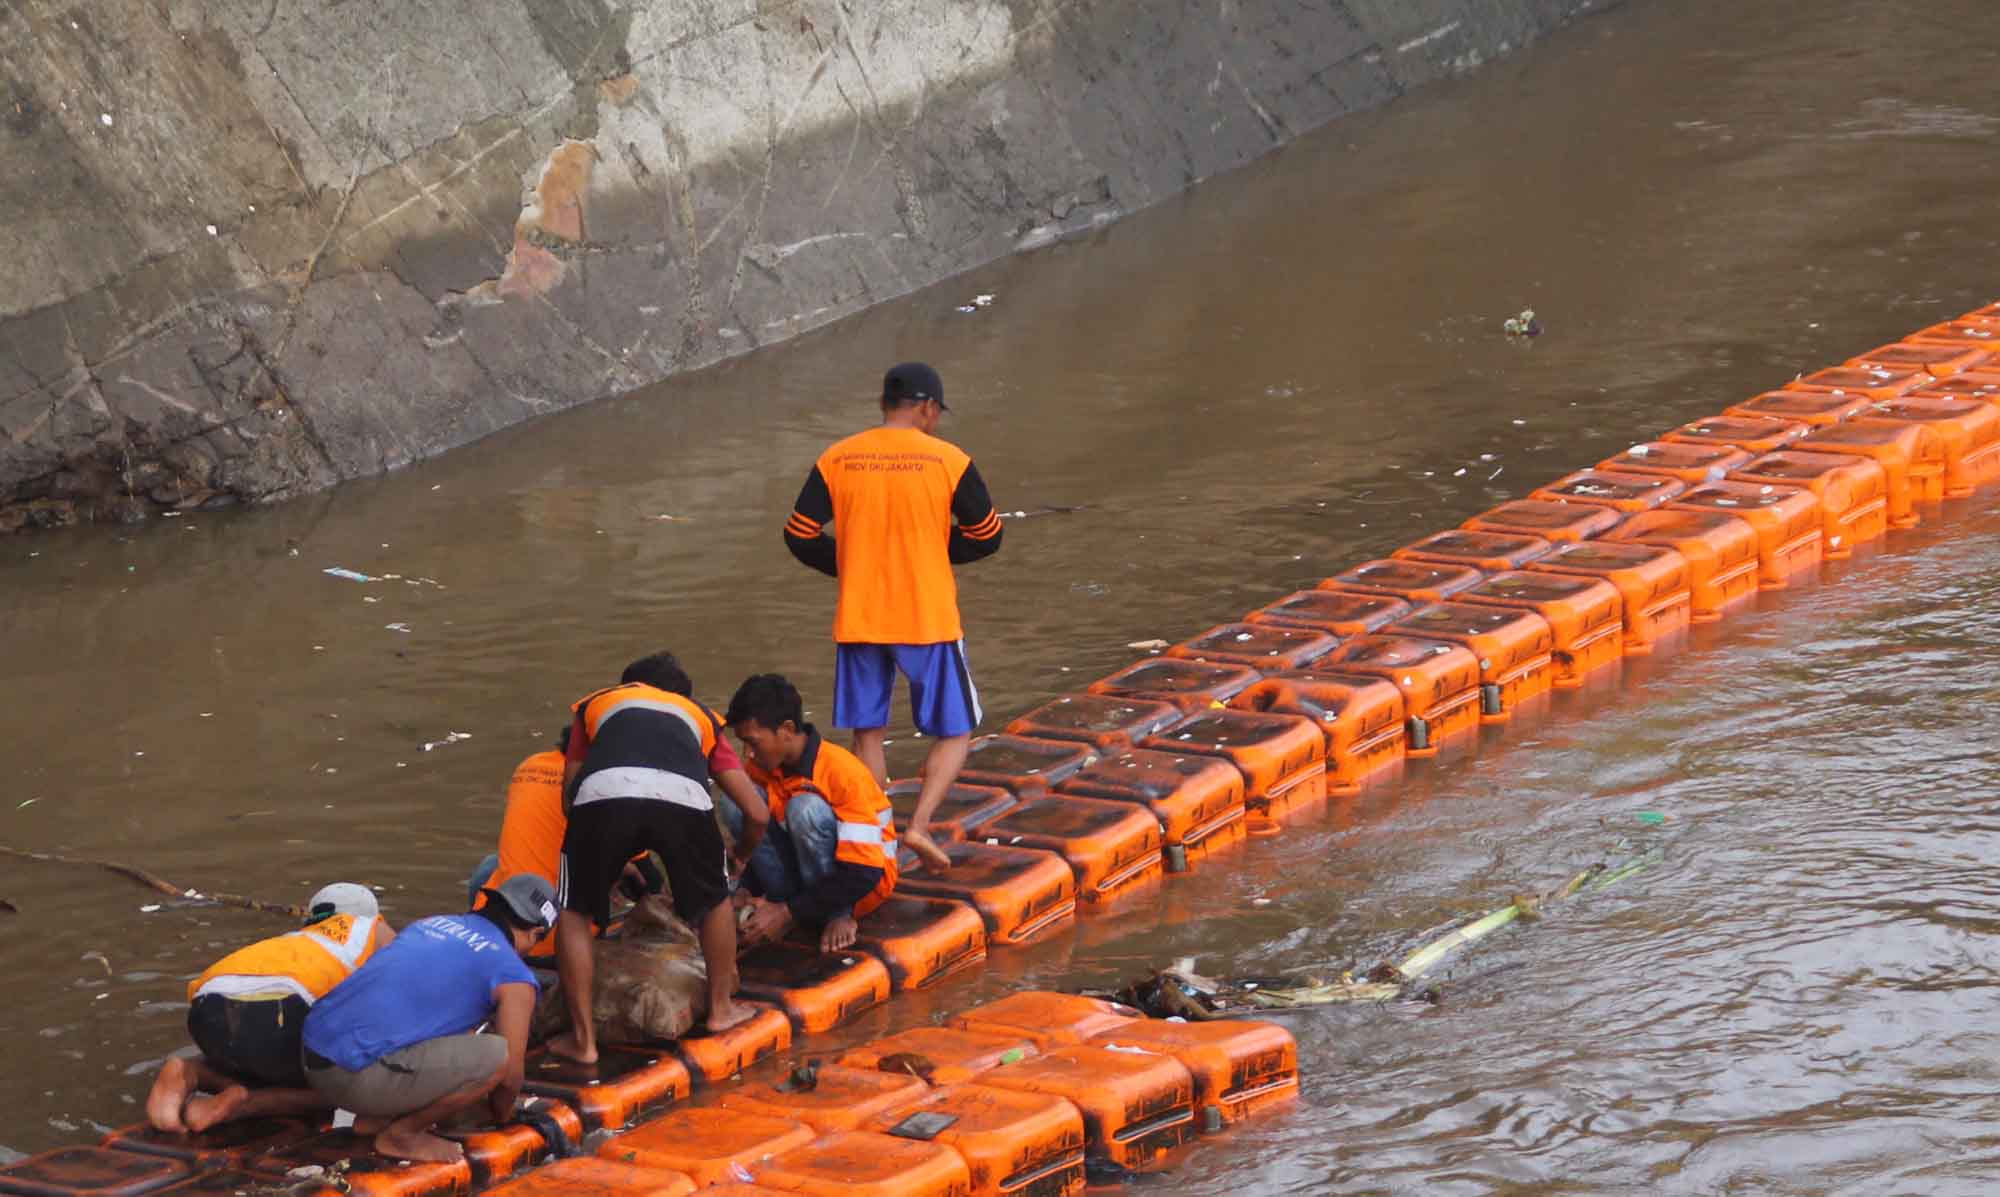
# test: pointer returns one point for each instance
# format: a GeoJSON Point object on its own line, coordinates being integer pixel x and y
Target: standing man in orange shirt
{"type": "Point", "coordinates": [905, 507]}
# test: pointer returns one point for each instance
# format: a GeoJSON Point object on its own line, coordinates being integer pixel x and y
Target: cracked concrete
{"type": "Point", "coordinates": [261, 246]}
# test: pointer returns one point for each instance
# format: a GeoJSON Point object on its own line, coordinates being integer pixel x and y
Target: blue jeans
{"type": "Point", "coordinates": [796, 854]}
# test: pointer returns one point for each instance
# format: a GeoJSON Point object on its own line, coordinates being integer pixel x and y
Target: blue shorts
{"type": "Point", "coordinates": [943, 701]}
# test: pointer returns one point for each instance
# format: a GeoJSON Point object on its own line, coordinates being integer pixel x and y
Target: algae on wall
{"type": "Point", "coordinates": [264, 245]}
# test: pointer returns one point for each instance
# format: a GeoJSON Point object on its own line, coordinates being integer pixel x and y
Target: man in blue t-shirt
{"type": "Point", "coordinates": [398, 1042]}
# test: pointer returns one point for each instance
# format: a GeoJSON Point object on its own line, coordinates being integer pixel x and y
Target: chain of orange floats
{"type": "Point", "coordinates": [1091, 799]}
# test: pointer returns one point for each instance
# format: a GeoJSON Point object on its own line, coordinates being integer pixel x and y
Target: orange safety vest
{"type": "Point", "coordinates": [641, 739]}
{"type": "Point", "coordinates": [892, 491]}
{"type": "Point", "coordinates": [308, 962]}
{"type": "Point", "coordinates": [866, 824]}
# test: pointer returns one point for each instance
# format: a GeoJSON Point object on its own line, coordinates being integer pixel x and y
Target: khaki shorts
{"type": "Point", "coordinates": [406, 1081]}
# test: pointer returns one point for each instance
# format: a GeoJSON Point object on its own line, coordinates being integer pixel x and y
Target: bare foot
{"type": "Point", "coordinates": [919, 841]}
{"type": "Point", "coordinates": [838, 933]}
{"type": "Point", "coordinates": [204, 1111]}
{"type": "Point", "coordinates": [568, 1047]}
{"type": "Point", "coordinates": [418, 1145]}
{"type": "Point", "coordinates": [721, 1018]}
{"type": "Point", "coordinates": [171, 1090]}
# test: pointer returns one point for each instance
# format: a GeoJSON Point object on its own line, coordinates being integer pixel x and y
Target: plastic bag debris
{"type": "Point", "coordinates": [450, 738]}
{"type": "Point", "coordinates": [1152, 646]}
{"type": "Point", "coordinates": [349, 574]}
{"type": "Point", "coordinates": [1523, 325]}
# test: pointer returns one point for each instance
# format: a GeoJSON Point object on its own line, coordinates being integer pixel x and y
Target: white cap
{"type": "Point", "coordinates": [343, 897]}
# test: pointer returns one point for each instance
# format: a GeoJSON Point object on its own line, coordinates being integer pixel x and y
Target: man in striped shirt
{"type": "Point", "coordinates": [904, 507]}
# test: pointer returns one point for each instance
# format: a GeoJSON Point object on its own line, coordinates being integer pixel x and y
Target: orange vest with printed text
{"type": "Point", "coordinates": [892, 491]}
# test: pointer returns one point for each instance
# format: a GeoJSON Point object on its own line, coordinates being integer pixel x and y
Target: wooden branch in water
{"type": "Point", "coordinates": [155, 883]}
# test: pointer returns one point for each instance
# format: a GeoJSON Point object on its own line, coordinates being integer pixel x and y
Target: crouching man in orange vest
{"type": "Point", "coordinates": [246, 1012]}
{"type": "Point", "coordinates": [828, 855]}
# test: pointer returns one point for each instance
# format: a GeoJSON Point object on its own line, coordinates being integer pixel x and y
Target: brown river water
{"type": "Point", "coordinates": [1282, 373]}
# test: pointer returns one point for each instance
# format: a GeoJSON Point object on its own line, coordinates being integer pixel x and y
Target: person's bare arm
{"type": "Point", "coordinates": [756, 816]}
{"type": "Point", "coordinates": [513, 1011]}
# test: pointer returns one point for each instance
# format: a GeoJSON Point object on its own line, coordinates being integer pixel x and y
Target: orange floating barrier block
{"type": "Point", "coordinates": [625, 1085]}
{"type": "Point", "coordinates": [1439, 682]}
{"type": "Point", "coordinates": [1022, 766]}
{"type": "Point", "coordinates": [1480, 550]}
{"type": "Point", "coordinates": [940, 1055]}
{"type": "Point", "coordinates": [922, 941]}
{"type": "Point", "coordinates": [1692, 464]}
{"type": "Point", "coordinates": [1787, 520]}
{"type": "Point", "coordinates": [227, 1143]}
{"type": "Point", "coordinates": [1360, 716]}
{"type": "Point", "coordinates": [1265, 647]}
{"type": "Point", "coordinates": [1607, 488]}
{"type": "Point", "coordinates": [864, 1164]}
{"type": "Point", "coordinates": [1755, 434]}
{"type": "Point", "coordinates": [590, 1176]}
{"type": "Point", "coordinates": [1411, 581]}
{"type": "Point", "coordinates": [1853, 493]}
{"type": "Point", "coordinates": [1197, 800]}
{"type": "Point", "coordinates": [1561, 522]}
{"type": "Point", "coordinates": [1189, 685]}
{"type": "Point", "coordinates": [1048, 1020]}
{"type": "Point", "coordinates": [1968, 431]}
{"type": "Point", "coordinates": [837, 1099]}
{"type": "Point", "coordinates": [1136, 1106]}
{"type": "Point", "coordinates": [735, 1188]}
{"type": "Point", "coordinates": [497, 1152]}
{"type": "Point", "coordinates": [1939, 361]}
{"type": "Point", "coordinates": [1977, 385]}
{"type": "Point", "coordinates": [1717, 556]}
{"type": "Point", "coordinates": [1651, 580]}
{"type": "Point", "coordinates": [1113, 847]}
{"type": "Point", "coordinates": [1585, 617]}
{"type": "Point", "coordinates": [964, 809]}
{"type": "Point", "coordinates": [1515, 647]}
{"type": "Point", "coordinates": [92, 1172]}
{"type": "Point", "coordinates": [719, 1055]}
{"type": "Point", "coordinates": [1814, 407]}
{"type": "Point", "coordinates": [231, 1181]}
{"type": "Point", "coordinates": [1022, 894]}
{"type": "Point", "coordinates": [708, 1143]}
{"type": "Point", "coordinates": [1106, 723]}
{"type": "Point", "coordinates": [817, 990]}
{"type": "Point", "coordinates": [1335, 612]}
{"type": "Point", "coordinates": [1969, 332]}
{"type": "Point", "coordinates": [366, 1173]}
{"type": "Point", "coordinates": [1015, 1143]}
{"type": "Point", "coordinates": [1282, 757]}
{"type": "Point", "coordinates": [1239, 1067]}
{"type": "Point", "coordinates": [1873, 382]}
{"type": "Point", "coordinates": [1909, 454]}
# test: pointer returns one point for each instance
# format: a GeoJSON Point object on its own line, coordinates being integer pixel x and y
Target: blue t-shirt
{"type": "Point", "coordinates": [436, 978]}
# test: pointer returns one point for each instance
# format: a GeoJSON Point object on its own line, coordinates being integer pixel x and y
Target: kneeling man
{"type": "Point", "coordinates": [829, 855]}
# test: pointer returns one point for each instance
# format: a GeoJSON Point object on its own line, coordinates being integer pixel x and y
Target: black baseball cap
{"type": "Point", "coordinates": [912, 382]}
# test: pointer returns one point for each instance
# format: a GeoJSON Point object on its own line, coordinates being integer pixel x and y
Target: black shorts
{"type": "Point", "coordinates": [603, 835]}
{"type": "Point", "coordinates": [254, 1040]}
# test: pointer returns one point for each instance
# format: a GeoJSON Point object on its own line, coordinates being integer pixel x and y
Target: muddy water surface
{"type": "Point", "coordinates": [1283, 373]}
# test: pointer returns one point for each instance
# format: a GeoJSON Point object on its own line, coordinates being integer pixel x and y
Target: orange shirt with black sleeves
{"type": "Point", "coordinates": [904, 507]}
{"type": "Point", "coordinates": [864, 872]}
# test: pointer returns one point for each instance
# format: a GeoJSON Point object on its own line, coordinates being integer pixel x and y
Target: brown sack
{"type": "Point", "coordinates": [650, 984]}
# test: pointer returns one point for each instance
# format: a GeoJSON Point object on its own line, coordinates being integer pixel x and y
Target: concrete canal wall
{"type": "Point", "coordinates": [256, 247]}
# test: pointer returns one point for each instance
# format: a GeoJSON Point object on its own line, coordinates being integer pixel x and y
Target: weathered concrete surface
{"type": "Point", "coordinates": [259, 246]}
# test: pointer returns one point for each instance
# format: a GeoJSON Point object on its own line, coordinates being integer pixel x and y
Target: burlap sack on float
{"type": "Point", "coordinates": [651, 983]}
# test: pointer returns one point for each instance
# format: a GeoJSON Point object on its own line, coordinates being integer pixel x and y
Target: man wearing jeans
{"type": "Point", "coordinates": [828, 856]}
{"type": "Point", "coordinates": [398, 1042]}
{"type": "Point", "coordinates": [905, 506]}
